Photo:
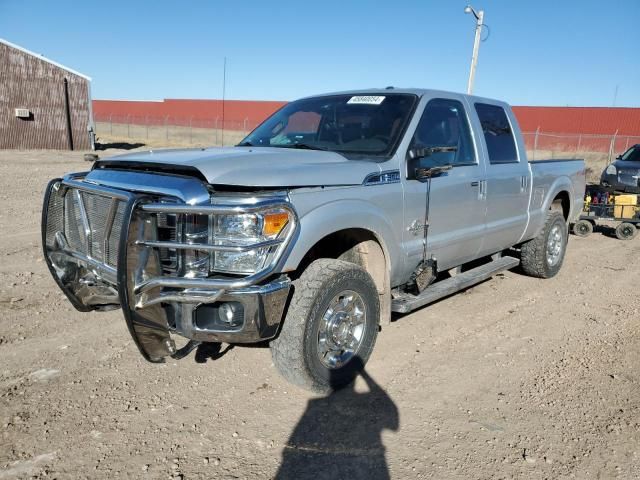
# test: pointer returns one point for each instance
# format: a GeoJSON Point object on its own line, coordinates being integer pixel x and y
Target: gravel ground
{"type": "Point", "coordinates": [515, 378]}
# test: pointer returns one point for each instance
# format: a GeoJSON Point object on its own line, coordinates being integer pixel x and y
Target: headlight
{"type": "Point", "coordinates": [247, 229]}
{"type": "Point", "coordinates": [611, 170]}
{"type": "Point", "coordinates": [234, 230]}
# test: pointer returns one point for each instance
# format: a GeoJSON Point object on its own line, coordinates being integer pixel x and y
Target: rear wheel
{"type": "Point", "coordinates": [543, 255]}
{"type": "Point", "coordinates": [626, 231]}
{"type": "Point", "coordinates": [583, 228]}
{"type": "Point", "coordinates": [330, 328]}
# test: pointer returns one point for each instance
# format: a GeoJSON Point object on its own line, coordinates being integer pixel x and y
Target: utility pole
{"type": "Point", "coordinates": [476, 45]}
{"type": "Point", "coordinates": [224, 91]}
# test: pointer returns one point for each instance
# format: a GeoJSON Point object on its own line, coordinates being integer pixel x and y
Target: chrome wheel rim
{"type": "Point", "coordinates": [554, 245]}
{"type": "Point", "coordinates": [342, 329]}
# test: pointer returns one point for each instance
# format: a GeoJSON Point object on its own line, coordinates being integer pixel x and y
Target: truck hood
{"type": "Point", "coordinates": [629, 165]}
{"type": "Point", "coordinates": [253, 166]}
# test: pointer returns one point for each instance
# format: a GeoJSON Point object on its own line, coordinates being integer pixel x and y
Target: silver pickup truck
{"type": "Point", "coordinates": [335, 212]}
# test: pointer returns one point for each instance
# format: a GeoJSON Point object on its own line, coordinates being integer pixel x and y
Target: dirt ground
{"type": "Point", "coordinates": [515, 378]}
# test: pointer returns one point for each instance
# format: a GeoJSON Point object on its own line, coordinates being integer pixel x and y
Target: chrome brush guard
{"type": "Point", "coordinates": [101, 243]}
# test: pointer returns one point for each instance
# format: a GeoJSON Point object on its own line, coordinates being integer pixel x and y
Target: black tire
{"type": "Point", "coordinates": [626, 231]}
{"type": "Point", "coordinates": [533, 256]}
{"type": "Point", "coordinates": [295, 350]}
{"type": "Point", "coordinates": [582, 228]}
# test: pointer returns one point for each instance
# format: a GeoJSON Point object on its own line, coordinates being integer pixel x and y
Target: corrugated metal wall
{"type": "Point", "coordinates": [584, 120]}
{"type": "Point", "coordinates": [29, 82]}
{"type": "Point", "coordinates": [235, 110]}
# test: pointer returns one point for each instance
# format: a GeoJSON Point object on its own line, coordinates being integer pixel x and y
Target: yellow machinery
{"type": "Point", "coordinates": [625, 206]}
{"type": "Point", "coordinates": [622, 208]}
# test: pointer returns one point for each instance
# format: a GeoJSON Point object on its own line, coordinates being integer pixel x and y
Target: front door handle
{"type": "Point", "coordinates": [475, 184]}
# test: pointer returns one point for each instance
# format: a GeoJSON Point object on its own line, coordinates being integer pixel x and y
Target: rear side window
{"type": "Point", "coordinates": [497, 133]}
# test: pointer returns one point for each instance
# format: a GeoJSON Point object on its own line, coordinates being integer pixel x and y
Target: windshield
{"type": "Point", "coordinates": [369, 125]}
{"type": "Point", "coordinates": [632, 155]}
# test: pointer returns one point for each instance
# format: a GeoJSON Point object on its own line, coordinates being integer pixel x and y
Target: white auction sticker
{"type": "Point", "coordinates": [366, 100]}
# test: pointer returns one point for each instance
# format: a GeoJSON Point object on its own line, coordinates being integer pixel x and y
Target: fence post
{"type": "Point", "coordinates": [626, 146]}
{"type": "Point", "coordinates": [244, 127]}
{"type": "Point", "coordinates": [612, 145]}
{"type": "Point", "coordinates": [535, 142]}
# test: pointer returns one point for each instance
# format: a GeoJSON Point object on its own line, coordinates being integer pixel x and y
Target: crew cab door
{"type": "Point", "coordinates": [457, 210]}
{"type": "Point", "coordinates": [507, 178]}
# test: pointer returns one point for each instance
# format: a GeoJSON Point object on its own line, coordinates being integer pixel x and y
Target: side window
{"type": "Point", "coordinates": [444, 124]}
{"type": "Point", "coordinates": [497, 133]}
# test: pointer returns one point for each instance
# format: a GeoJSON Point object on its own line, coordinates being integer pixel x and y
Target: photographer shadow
{"type": "Point", "coordinates": [340, 436]}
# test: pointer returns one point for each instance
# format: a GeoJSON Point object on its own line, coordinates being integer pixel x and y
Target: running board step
{"type": "Point", "coordinates": [408, 303]}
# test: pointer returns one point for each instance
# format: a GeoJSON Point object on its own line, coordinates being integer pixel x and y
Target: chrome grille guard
{"type": "Point", "coordinates": [136, 282]}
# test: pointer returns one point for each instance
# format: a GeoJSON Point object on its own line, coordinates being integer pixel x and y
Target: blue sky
{"type": "Point", "coordinates": [539, 52]}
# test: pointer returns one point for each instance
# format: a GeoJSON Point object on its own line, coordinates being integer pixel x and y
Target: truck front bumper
{"type": "Point", "coordinates": [96, 245]}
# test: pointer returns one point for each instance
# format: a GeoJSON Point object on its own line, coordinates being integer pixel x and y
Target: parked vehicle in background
{"type": "Point", "coordinates": [336, 211]}
{"type": "Point", "coordinates": [623, 175]}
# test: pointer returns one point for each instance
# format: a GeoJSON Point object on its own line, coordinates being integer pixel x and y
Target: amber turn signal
{"type": "Point", "coordinates": [274, 223]}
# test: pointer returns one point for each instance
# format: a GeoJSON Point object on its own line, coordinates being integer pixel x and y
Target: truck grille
{"type": "Point", "coordinates": [168, 232]}
{"type": "Point", "coordinates": [90, 223]}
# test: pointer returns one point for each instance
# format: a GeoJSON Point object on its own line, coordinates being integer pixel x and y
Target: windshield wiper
{"type": "Point", "coordinates": [304, 146]}
{"type": "Point", "coordinates": [245, 144]}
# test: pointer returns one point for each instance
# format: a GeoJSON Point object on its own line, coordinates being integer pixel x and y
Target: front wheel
{"type": "Point", "coordinates": [542, 256]}
{"type": "Point", "coordinates": [330, 328]}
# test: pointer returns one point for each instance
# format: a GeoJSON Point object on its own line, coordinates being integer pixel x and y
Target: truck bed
{"type": "Point", "coordinates": [547, 176]}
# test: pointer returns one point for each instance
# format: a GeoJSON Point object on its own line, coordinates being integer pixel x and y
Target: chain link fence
{"type": "Point", "coordinates": [172, 131]}
{"type": "Point", "coordinates": [576, 144]}
{"type": "Point", "coordinates": [596, 150]}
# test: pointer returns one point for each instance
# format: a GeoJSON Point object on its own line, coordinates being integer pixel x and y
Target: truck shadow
{"type": "Point", "coordinates": [339, 436]}
{"type": "Point", "coordinates": [210, 351]}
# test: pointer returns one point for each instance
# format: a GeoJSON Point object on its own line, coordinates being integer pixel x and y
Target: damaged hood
{"type": "Point", "coordinates": [253, 166]}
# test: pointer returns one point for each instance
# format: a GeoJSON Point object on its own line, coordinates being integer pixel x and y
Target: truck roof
{"type": "Point", "coordinates": [414, 91]}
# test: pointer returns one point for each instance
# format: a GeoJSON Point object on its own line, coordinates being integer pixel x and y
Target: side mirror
{"type": "Point", "coordinates": [423, 173]}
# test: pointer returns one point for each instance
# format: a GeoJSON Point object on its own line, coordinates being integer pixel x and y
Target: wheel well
{"type": "Point", "coordinates": [562, 203]}
{"type": "Point", "coordinates": [359, 246]}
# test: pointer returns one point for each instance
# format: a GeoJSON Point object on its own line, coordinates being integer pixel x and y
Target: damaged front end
{"type": "Point", "coordinates": [176, 258]}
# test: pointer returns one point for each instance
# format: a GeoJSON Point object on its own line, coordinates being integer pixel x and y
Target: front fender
{"type": "Point", "coordinates": [336, 215]}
